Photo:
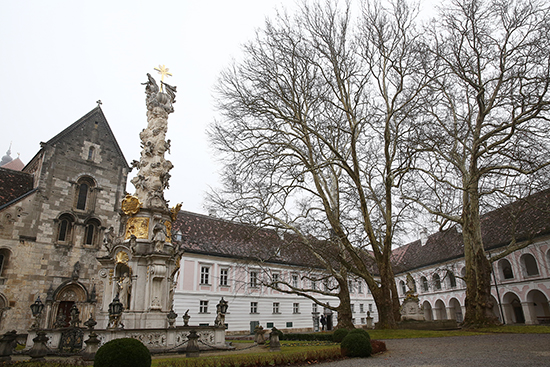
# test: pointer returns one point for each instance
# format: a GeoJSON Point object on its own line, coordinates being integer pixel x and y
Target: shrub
{"type": "Point", "coordinates": [378, 346]}
{"type": "Point", "coordinates": [360, 332]}
{"type": "Point", "coordinates": [356, 345]}
{"type": "Point", "coordinates": [125, 352]}
{"type": "Point", "coordinates": [339, 334]}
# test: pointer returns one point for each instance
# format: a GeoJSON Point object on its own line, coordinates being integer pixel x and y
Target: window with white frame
{"type": "Point", "coordinates": [224, 273]}
{"type": "Point", "coordinates": [253, 307]}
{"type": "Point", "coordinates": [361, 307]}
{"type": "Point", "coordinates": [203, 307]}
{"type": "Point", "coordinates": [295, 280]}
{"type": "Point", "coordinates": [276, 307]}
{"type": "Point", "coordinates": [275, 279]}
{"type": "Point", "coordinates": [205, 274]}
{"type": "Point", "coordinates": [350, 286]}
{"type": "Point", "coordinates": [352, 307]}
{"type": "Point", "coordinates": [370, 307]}
{"type": "Point", "coordinates": [359, 287]}
{"type": "Point", "coordinates": [254, 279]}
{"type": "Point", "coordinates": [314, 307]}
{"type": "Point", "coordinates": [295, 308]}
{"type": "Point", "coordinates": [313, 285]}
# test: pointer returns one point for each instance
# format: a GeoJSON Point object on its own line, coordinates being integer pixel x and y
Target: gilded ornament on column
{"type": "Point", "coordinates": [122, 258]}
{"type": "Point", "coordinates": [138, 227]}
{"type": "Point", "coordinates": [130, 205]}
{"type": "Point", "coordinates": [174, 212]}
{"type": "Point", "coordinates": [168, 226]}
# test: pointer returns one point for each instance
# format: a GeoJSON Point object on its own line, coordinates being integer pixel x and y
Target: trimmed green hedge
{"type": "Point", "coordinates": [124, 352]}
{"type": "Point", "coordinates": [325, 337]}
{"type": "Point", "coordinates": [356, 345]}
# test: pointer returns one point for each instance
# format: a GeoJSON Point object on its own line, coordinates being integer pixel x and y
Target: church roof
{"type": "Point", "coordinates": [14, 185]}
{"type": "Point", "coordinates": [522, 220]}
{"type": "Point", "coordinates": [16, 165]}
{"type": "Point", "coordinates": [97, 112]}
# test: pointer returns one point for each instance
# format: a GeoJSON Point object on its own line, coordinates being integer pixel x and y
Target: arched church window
{"type": "Point", "coordinates": [529, 264]}
{"type": "Point", "coordinates": [403, 288]}
{"type": "Point", "coordinates": [83, 193]}
{"type": "Point", "coordinates": [425, 286]}
{"type": "Point", "coordinates": [505, 269]}
{"type": "Point", "coordinates": [437, 282]}
{"type": "Point", "coordinates": [91, 232]}
{"type": "Point", "coordinates": [4, 257]}
{"type": "Point", "coordinates": [65, 229]}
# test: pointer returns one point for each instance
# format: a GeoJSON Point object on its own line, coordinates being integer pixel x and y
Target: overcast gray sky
{"type": "Point", "coordinates": [57, 58]}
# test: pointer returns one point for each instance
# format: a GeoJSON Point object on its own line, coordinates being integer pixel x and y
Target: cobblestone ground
{"type": "Point", "coordinates": [501, 350]}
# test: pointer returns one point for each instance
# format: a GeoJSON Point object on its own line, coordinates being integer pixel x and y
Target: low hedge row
{"type": "Point", "coordinates": [324, 337]}
{"type": "Point", "coordinates": [263, 359]}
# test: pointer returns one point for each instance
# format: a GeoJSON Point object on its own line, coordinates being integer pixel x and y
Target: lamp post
{"type": "Point", "coordinates": [36, 308]}
{"type": "Point", "coordinates": [115, 311]}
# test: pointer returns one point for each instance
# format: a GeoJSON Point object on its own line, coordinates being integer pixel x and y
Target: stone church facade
{"type": "Point", "coordinates": [52, 218]}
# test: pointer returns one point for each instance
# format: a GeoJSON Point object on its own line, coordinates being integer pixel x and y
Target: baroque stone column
{"type": "Point", "coordinates": [146, 251]}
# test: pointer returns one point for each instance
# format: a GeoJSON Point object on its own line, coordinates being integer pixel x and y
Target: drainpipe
{"type": "Point", "coordinates": [498, 295]}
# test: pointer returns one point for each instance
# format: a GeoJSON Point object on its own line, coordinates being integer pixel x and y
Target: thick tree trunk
{"type": "Point", "coordinates": [386, 299]}
{"type": "Point", "coordinates": [344, 313]}
{"type": "Point", "coordinates": [479, 304]}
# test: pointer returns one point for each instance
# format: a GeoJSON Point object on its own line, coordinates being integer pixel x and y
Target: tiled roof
{"type": "Point", "coordinates": [211, 235]}
{"type": "Point", "coordinates": [13, 185]}
{"type": "Point", "coordinates": [523, 219]}
{"type": "Point", "coordinates": [16, 165]}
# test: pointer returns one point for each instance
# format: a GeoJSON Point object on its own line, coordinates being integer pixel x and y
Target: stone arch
{"type": "Point", "coordinates": [427, 307]}
{"type": "Point", "coordinates": [85, 193]}
{"type": "Point", "coordinates": [64, 297]}
{"type": "Point", "coordinates": [3, 307]}
{"type": "Point", "coordinates": [538, 306]}
{"type": "Point", "coordinates": [403, 287]}
{"type": "Point", "coordinates": [505, 271]}
{"type": "Point", "coordinates": [529, 265]}
{"type": "Point", "coordinates": [513, 312]}
{"type": "Point", "coordinates": [455, 310]}
{"type": "Point", "coordinates": [65, 223]}
{"type": "Point", "coordinates": [91, 236]}
{"type": "Point", "coordinates": [5, 256]}
{"type": "Point", "coordinates": [424, 283]}
{"type": "Point", "coordinates": [451, 279]}
{"type": "Point", "coordinates": [440, 312]}
{"type": "Point", "coordinates": [436, 282]}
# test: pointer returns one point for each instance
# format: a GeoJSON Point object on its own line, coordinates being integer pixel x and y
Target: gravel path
{"type": "Point", "coordinates": [480, 351]}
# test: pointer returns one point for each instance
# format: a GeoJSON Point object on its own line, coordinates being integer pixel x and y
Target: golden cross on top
{"type": "Point", "coordinates": [163, 70]}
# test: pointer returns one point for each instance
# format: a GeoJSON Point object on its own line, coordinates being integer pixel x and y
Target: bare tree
{"type": "Point", "coordinates": [315, 118]}
{"type": "Point", "coordinates": [484, 135]}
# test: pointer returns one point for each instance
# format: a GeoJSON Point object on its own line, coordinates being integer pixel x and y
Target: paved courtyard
{"type": "Point", "coordinates": [501, 350]}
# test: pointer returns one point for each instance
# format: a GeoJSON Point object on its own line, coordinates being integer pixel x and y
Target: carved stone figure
{"type": "Point", "coordinates": [159, 237]}
{"type": "Point", "coordinates": [109, 239]}
{"type": "Point", "coordinates": [124, 286]}
{"type": "Point", "coordinates": [76, 270]}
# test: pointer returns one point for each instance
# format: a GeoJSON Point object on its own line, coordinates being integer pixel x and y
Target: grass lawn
{"type": "Point", "coordinates": [407, 334]}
